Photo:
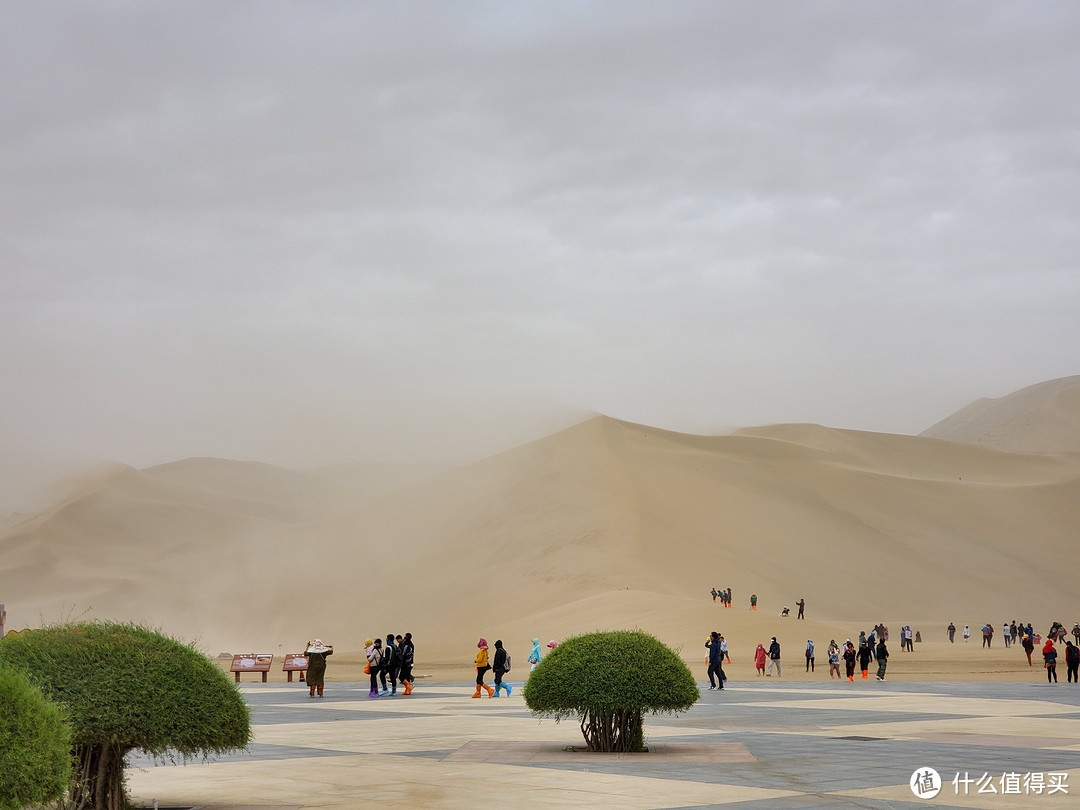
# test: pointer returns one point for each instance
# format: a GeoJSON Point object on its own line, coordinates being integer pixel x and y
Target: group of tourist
{"type": "Point", "coordinates": [767, 659]}
{"type": "Point", "coordinates": [499, 663]}
{"type": "Point", "coordinates": [723, 595]}
{"type": "Point", "coordinates": [389, 664]}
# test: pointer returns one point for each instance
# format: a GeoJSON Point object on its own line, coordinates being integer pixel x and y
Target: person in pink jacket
{"type": "Point", "coordinates": [759, 659]}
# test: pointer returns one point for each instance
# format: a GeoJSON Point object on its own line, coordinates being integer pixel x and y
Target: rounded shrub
{"type": "Point", "coordinates": [35, 745]}
{"type": "Point", "coordinates": [126, 687]}
{"type": "Point", "coordinates": [610, 680]}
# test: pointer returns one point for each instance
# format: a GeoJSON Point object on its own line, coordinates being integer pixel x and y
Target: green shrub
{"type": "Point", "coordinates": [35, 745]}
{"type": "Point", "coordinates": [126, 687]}
{"type": "Point", "coordinates": [609, 680]}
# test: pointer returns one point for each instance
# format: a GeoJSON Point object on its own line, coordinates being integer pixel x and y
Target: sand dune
{"type": "Point", "coordinates": [606, 524]}
{"type": "Point", "coordinates": [1042, 418]}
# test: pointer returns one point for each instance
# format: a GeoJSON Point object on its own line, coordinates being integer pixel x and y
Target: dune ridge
{"type": "Point", "coordinates": [605, 524]}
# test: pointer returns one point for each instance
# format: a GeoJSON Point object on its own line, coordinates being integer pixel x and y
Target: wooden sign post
{"type": "Point", "coordinates": [251, 662]}
{"type": "Point", "coordinates": [295, 662]}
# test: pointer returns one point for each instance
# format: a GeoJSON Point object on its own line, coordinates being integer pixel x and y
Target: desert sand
{"type": "Point", "coordinates": [607, 524]}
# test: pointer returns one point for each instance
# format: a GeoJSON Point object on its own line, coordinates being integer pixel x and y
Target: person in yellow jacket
{"type": "Point", "coordinates": [482, 668]}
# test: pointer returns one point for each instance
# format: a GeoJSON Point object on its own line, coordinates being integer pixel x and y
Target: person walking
{"type": "Point", "coordinates": [864, 660]}
{"type": "Point", "coordinates": [390, 666]}
{"type": "Point", "coordinates": [966, 634]}
{"type": "Point", "coordinates": [753, 601]}
{"type": "Point", "coordinates": [759, 659]}
{"type": "Point", "coordinates": [316, 653]}
{"type": "Point", "coordinates": [1029, 646]}
{"type": "Point", "coordinates": [1076, 632]}
{"type": "Point", "coordinates": [849, 660]}
{"type": "Point", "coordinates": [534, 656]}
{"type": "Point", "coordinates": [834, 659]}
{"type": "Point", "coordinates": [715, 594]}
{"type": "Point", "coordinates": [987, 634]}
{"type": "Point", "coordinates": [482, 668]}
{"type": "Point", "coordinates": [407, 651]}
{"type": "Point", "coordinates": [1050, 661]}
{"type": "Point", "coordinates": [882, 659]}
{"type": "Point", "coordinates": [724, 651]}
{"type": "Point", "coordinates": [375, 660]}
{"type": "Point", "coordinates": [500, 666]}
{"type": "Point", "coordinates": [716, 661]}
{"type": "Point", "coordinates": [1072, 662]}
{"type": "Point", "coordinates": [809, 655]}
{"type": "Point", "coordinates": [802, 606]}
{"type": "Point", "coordinates": [952, 632]}
{"type": "Point", "coordinates": [774, 658]}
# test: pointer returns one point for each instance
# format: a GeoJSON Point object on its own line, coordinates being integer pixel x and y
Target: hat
{"type": "Point", "coordinates": [482, 644]}
{"type": "Point", "coordinates": [552, 644]}
{"type": "Point", "coordinates": [317, 646]}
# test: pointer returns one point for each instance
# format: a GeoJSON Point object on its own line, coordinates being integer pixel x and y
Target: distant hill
{"type": "Point", "coordinates": [1042, 418]}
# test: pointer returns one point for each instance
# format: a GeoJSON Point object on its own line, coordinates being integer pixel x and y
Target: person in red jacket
{"type": "Point", "coordinates": [759, 659]}
{"type": "Point", "coordinates": [1050, 661]}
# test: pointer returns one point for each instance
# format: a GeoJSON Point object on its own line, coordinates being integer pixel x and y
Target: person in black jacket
{"type": "Point", "coordinates": [498, 665]}
{"type": "Point", "coordinates": [864, 660]}
{"type": "Point", "coordinates": [1072, 661]}
{"type": "Point", "coordinates": [406, 650]}
{"type": "Point", "coordinates": [391, 665]}
{"type": "Point", "coordinates": [849, 659]}
{"type": "Point", "coordinates": [882, 659]}
{"type": "Point", "coordinates": [774, 657]}
{"type": "Point", "coordinates": [716, 661]}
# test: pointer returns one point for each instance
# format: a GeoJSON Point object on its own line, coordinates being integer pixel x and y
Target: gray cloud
{"type": "Point", "coordinates": [316, 233]}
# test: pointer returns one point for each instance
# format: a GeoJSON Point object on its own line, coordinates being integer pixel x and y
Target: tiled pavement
{"type": "Point", "coordinates": [762, 744]}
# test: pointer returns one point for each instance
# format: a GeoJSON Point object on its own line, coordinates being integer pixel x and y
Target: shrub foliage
{"type": "Point", "coordinates": [609, 680]}
{"type": "Point", "coordinates": [126, 687]}
{"type": "Point", "coordinates": [35, 745]}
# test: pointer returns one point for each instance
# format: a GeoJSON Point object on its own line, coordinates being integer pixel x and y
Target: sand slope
{"type": "Point", "coordinates": [606, 524]}
{"type": "Point", "coordinates": [1042, 418]}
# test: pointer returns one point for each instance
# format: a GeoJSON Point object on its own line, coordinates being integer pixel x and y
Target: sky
{"type": "Point", "coordinates": [316, 233]}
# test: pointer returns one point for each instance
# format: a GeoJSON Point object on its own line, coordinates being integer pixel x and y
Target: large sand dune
{"type": "Point", "coordinates": [605, 524]}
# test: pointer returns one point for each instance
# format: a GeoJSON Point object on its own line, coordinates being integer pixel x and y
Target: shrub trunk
{"type": "Point", "coordinates": [99, 778]}
{"type": "Point", "coordinates": [613, 730]}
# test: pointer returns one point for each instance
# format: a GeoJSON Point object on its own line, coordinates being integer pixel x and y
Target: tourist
{"type": "Point", "coordinates": [316, 653]}
{"type": "Point", "coordinates": [774, 658]}
{"type": "Point", "coordinates": [849, 659]}
{"type": "Point", "coordinates": [759, 659]}
{"type": "Point", "coordinates": [882, 659]}
{"type": "Point", "coordinates": [716, 661]}
{"type": "Point", "coordinates": [753, 601]}
{"type": "Point", "coordinates": [809, 655]}
{"type": "Point", "coordinates": [802, 605]}
{"type": "Point", "coordinates": [952, 632]}
{"type": "Point", "coordinates": [834, 660]}
{"type": "Point", "coordinates": [1050, 660]}
{"type": "Point", "coordinates": [482, 668]}
{"type": "Point", "coordinates": [1072, 662]}
{"type": "Point", "coordinates": [375, 659]}
{"type": "Point", "coordinates": [500, 666]}
{"type": "Point", "coordinates": [390, 666]}
{"type": "Point", "coordinates": [534, 656]}
{"type": "Point", "coordinates": [407, 651]}
{"type": "Point", "coordinates": [967, 633]}
{"type": "Point", "coordinates": [865, 654]}
{"type": "Point", "coordinates": [1028, 643]}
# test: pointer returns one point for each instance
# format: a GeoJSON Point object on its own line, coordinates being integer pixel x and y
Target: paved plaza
{"type": "Point", "coordinates": [761, 744]}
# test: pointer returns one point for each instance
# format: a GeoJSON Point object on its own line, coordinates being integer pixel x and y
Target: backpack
{"type": "Point", "coordinates": [506, 664]}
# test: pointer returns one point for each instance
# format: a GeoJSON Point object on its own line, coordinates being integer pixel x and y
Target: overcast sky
{"type": "Point", "coordinates": [308, 233]}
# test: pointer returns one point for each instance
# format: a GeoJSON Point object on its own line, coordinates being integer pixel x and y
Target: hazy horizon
{"type": "Point", "coordinates": [310, 235]}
